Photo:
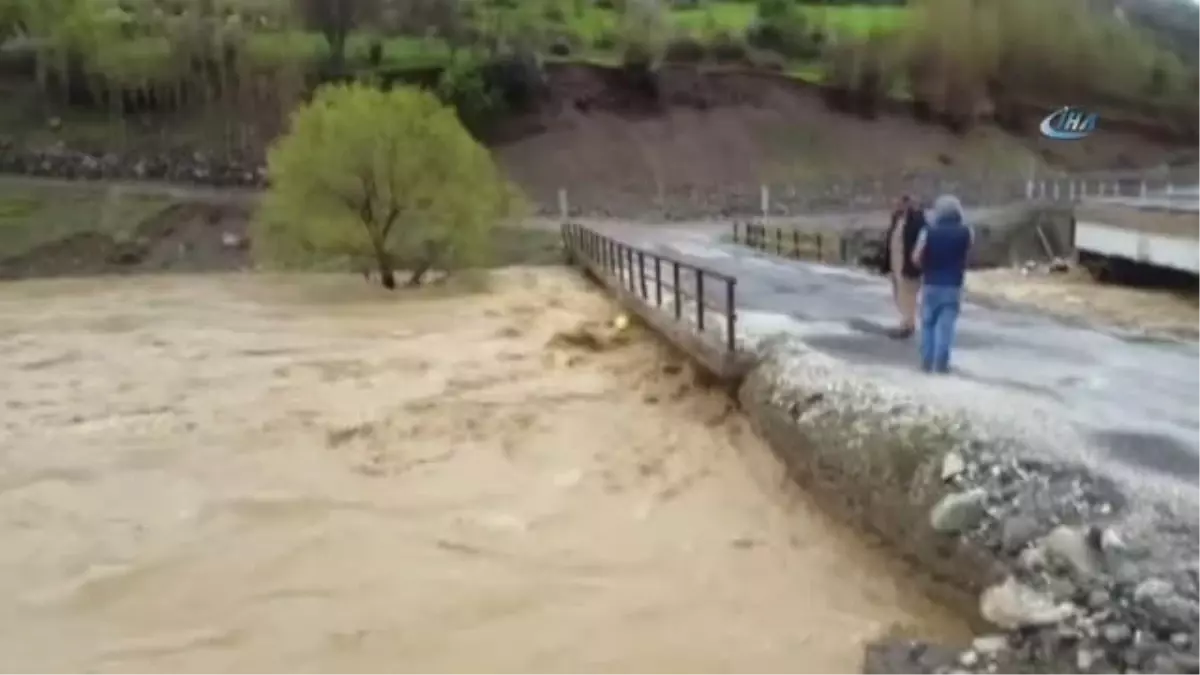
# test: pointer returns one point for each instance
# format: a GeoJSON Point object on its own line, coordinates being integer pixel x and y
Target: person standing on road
{"type": "Point", "coordinates": [907, 223]}
{"type": "Point", "coordinates": [941, 254]}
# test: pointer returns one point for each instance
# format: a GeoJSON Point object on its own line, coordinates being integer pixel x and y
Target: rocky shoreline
{"type": "Point", "coordinates": [669, 203]}
{"type": "Point", "coordinates": [1075, 571]}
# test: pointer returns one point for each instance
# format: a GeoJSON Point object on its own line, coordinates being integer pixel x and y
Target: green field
{"type": "Point", "coordinates": [34, 214]}
{"type": "Point", "coordinates": [736, 17]}
{"type": "Point", "coordinates": [595, 30]}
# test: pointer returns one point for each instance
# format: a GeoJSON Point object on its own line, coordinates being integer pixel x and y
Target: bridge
{"type": "Point", "coordinates": [1042, 421]}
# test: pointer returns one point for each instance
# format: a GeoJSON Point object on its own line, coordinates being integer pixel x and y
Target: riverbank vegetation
{"type": "Point", "coordinates": [255, 59]}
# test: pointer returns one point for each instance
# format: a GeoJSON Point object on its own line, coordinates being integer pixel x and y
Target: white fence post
{"type": "Point", "coordinates": [563, 208]}
{"type": "Point", "coordinates": [764, 198]}
{"type": "Point", "coordinates": [1142, 194]}
{"type": "Point", "coordinates": [1029, 189]}
{"type": "Point", "coordinates": [1056, 189]}
{"type": "Point", "coordinates": [1071, 191]}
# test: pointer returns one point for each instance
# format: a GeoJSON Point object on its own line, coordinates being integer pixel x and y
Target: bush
{"type": "Point", "coordinates": [858, 76]}
{"type": "Point", "coordinates": [684, 50]}
{"type": "Point", "coordinates": [387, 177]}
{"type": "Point", "coordinates": [518, 78]}
{"type": "Point", "coordinates": [463, 84]}
{"type": "Point", "coordinates": [788, 33]}
{"type": "Point", "coordinates": [606, 41]}
{"type": "Point", "coordinates": [727, 48]}
{"type": "Point", "coordinates": [960, 54]}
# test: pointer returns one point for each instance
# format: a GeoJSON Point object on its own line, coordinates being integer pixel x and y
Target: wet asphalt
{"type": "Point", "coordinates": [1135, 401]}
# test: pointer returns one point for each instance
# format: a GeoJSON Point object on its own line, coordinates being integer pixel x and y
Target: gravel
{"type": "Point", "coordinates": [1085, 571]}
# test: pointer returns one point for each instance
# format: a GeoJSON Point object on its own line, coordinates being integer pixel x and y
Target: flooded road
{"type": "Point", "coordinates": [249, 473]}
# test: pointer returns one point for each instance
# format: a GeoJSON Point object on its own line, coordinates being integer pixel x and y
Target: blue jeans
{"type": "Point", "coordinates": [939, 315]}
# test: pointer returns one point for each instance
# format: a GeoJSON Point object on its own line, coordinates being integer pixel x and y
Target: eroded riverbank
{"type": "Point", "coordinates": [253, 473]}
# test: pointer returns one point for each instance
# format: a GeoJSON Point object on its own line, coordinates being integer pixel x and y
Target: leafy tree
{"type": "Point", "coordinates": [335, 19]}
{"type": "Point", "coordinates": [387, 177]}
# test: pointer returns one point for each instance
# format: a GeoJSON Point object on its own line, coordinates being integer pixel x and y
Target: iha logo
{"type": "Point", "coordinates": [1068, 124]}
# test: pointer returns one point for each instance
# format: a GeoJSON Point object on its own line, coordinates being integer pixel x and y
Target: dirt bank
{"type": "Point", "coordinates": [700, 145]}
{"type": "Point", "coordinates": [263, 473]}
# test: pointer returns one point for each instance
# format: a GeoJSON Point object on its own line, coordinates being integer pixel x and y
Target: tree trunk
{"type": "Point", "coordinates": [387, 275]}
{"type": "Point", "coordinates": [418, 275]}
{"type": "Point", "coordinates": [337, 51]}
{"type": "Point", "coordinates": [388, 278]}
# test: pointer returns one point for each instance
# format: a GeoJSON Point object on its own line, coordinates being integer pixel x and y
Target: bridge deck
{"type": "Point", "coordinates": [1137, 402]}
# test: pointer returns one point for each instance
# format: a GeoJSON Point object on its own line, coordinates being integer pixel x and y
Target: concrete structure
{"type": "Point", "coordinates": [1158, 229]}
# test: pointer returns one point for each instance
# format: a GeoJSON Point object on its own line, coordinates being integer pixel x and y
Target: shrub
{"type": "Point", "coordinates": [390, 177]}
{"type": "Point", "coordinates": [858, 76]}
{"type": "Point", "coordinates": [560, 47]}
{"type": "Point", "coordinates": [517, 77]}
{"type": "Point", "coordinates": [463, 84]}
{"type": "Point", "coordinates": [787, 32]}
{"type": "Point", "coordinates": [958, 54]}
{"type": "Point", "coordinates": [727, 48]}
{"type": "Point", "coordinates": [684, 50]}
{"type": "Point", "coordinates": [605, 41]}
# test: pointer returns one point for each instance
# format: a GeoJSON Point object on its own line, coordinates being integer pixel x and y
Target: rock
{"type": "Point", "coordinates": [1018, 531]}
{"type": "Point", "coordinates": [129, 253]}
{"type": "Point", "coordinates": [959, 511]}
{"type": "Point", "coordinates": [1070, 546]}
{"type": "Point", "coordinates": [1111, 545]}
{"type": "Point", "coordinates": [1098, 599]}
{"type": "Point", "coordinates": [1117, 633]}
{"type": "Point", "coordinates": [233, 240]}
{"type": "Point", "coordinates": [1084, 658]}
{"type": "Point", "coordinates": [1032, 559]}
{"type": "Point", "coordinates": [968, 659]}
{"type": "Point", "coordinates": [1167, 607]}
{"type": "Point", "coordinates": [990, 645]}
{"type": "Point", "coordinates": [1012, 604]}
{"type": "Point", "coordinates": [907, 656]}
{"type": "Point", "coordinates": [1175, 663]}
{"type": "Point", "coordinates": [952, 466]}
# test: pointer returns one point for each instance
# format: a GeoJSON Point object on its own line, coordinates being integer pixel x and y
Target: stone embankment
{"type": "Point", "coordinates": [671, 203]}
{"type": "Point", "coordinates": [1076, 570]}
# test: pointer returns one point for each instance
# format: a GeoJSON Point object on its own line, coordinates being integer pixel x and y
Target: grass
{"type": "Point", "coordinates": [32, 215]}
{"type": "Point", "coordinates": [150, 58]}
{"type": "Point", "coordinates": [736, 17]}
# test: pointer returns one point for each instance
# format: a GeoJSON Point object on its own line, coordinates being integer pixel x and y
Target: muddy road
{"type": "Point", "coordinates": [252, 473]}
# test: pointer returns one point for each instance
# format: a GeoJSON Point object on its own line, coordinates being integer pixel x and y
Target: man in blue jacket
{"type": "Point", "coordinates": [941, 253]}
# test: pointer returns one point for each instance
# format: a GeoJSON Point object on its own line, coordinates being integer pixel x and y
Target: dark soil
{"type": "Point", "coordinates": [211, 237]}
{"type": "Point", "coordinates": [186, 237]}
{"type": "Point", "coordinates": [696, 143]}
{"type": "Point", "coordinates": [705, 141]}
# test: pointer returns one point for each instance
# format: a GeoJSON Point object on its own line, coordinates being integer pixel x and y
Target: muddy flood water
{"type": "Point", "coordinates": [240, 473]}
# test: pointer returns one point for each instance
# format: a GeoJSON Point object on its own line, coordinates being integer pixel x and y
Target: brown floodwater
{"type": "Point", "coordinates": [255, 473]}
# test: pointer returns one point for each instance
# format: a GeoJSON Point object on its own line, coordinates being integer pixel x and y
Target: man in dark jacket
{"type": "Point", "coordinates": [907, 222]}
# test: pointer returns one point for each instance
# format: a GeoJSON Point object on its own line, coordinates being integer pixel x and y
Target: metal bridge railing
{"type": "Point", "coordinates": [660, 282]}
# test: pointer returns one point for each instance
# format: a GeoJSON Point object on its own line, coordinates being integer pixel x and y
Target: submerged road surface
{"type": "Point", "coordinates": [303, 474]}
{"type": "Point", "coordinates": [1137, 402]}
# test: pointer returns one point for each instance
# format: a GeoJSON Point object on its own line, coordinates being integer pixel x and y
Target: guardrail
{"type": "Point", "coordinates": [662, 286]}
{"type": "Point", "coordinates": [792, 243]}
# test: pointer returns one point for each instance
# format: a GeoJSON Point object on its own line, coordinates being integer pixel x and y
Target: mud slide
{"type": "Point", "coordinates": [241, 473]}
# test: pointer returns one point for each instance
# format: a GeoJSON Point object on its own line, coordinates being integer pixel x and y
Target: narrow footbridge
{"type": "Point", "coordinates": [1137, 400]}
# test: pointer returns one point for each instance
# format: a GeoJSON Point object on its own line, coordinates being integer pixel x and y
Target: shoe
{"type": "Point", "coordinates": [900, 333]}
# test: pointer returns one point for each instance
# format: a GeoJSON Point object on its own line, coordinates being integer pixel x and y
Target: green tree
{"type": "Point", "coordinates": [387, 177]}
{"type": "Point", "coordinates": [335, 19]}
